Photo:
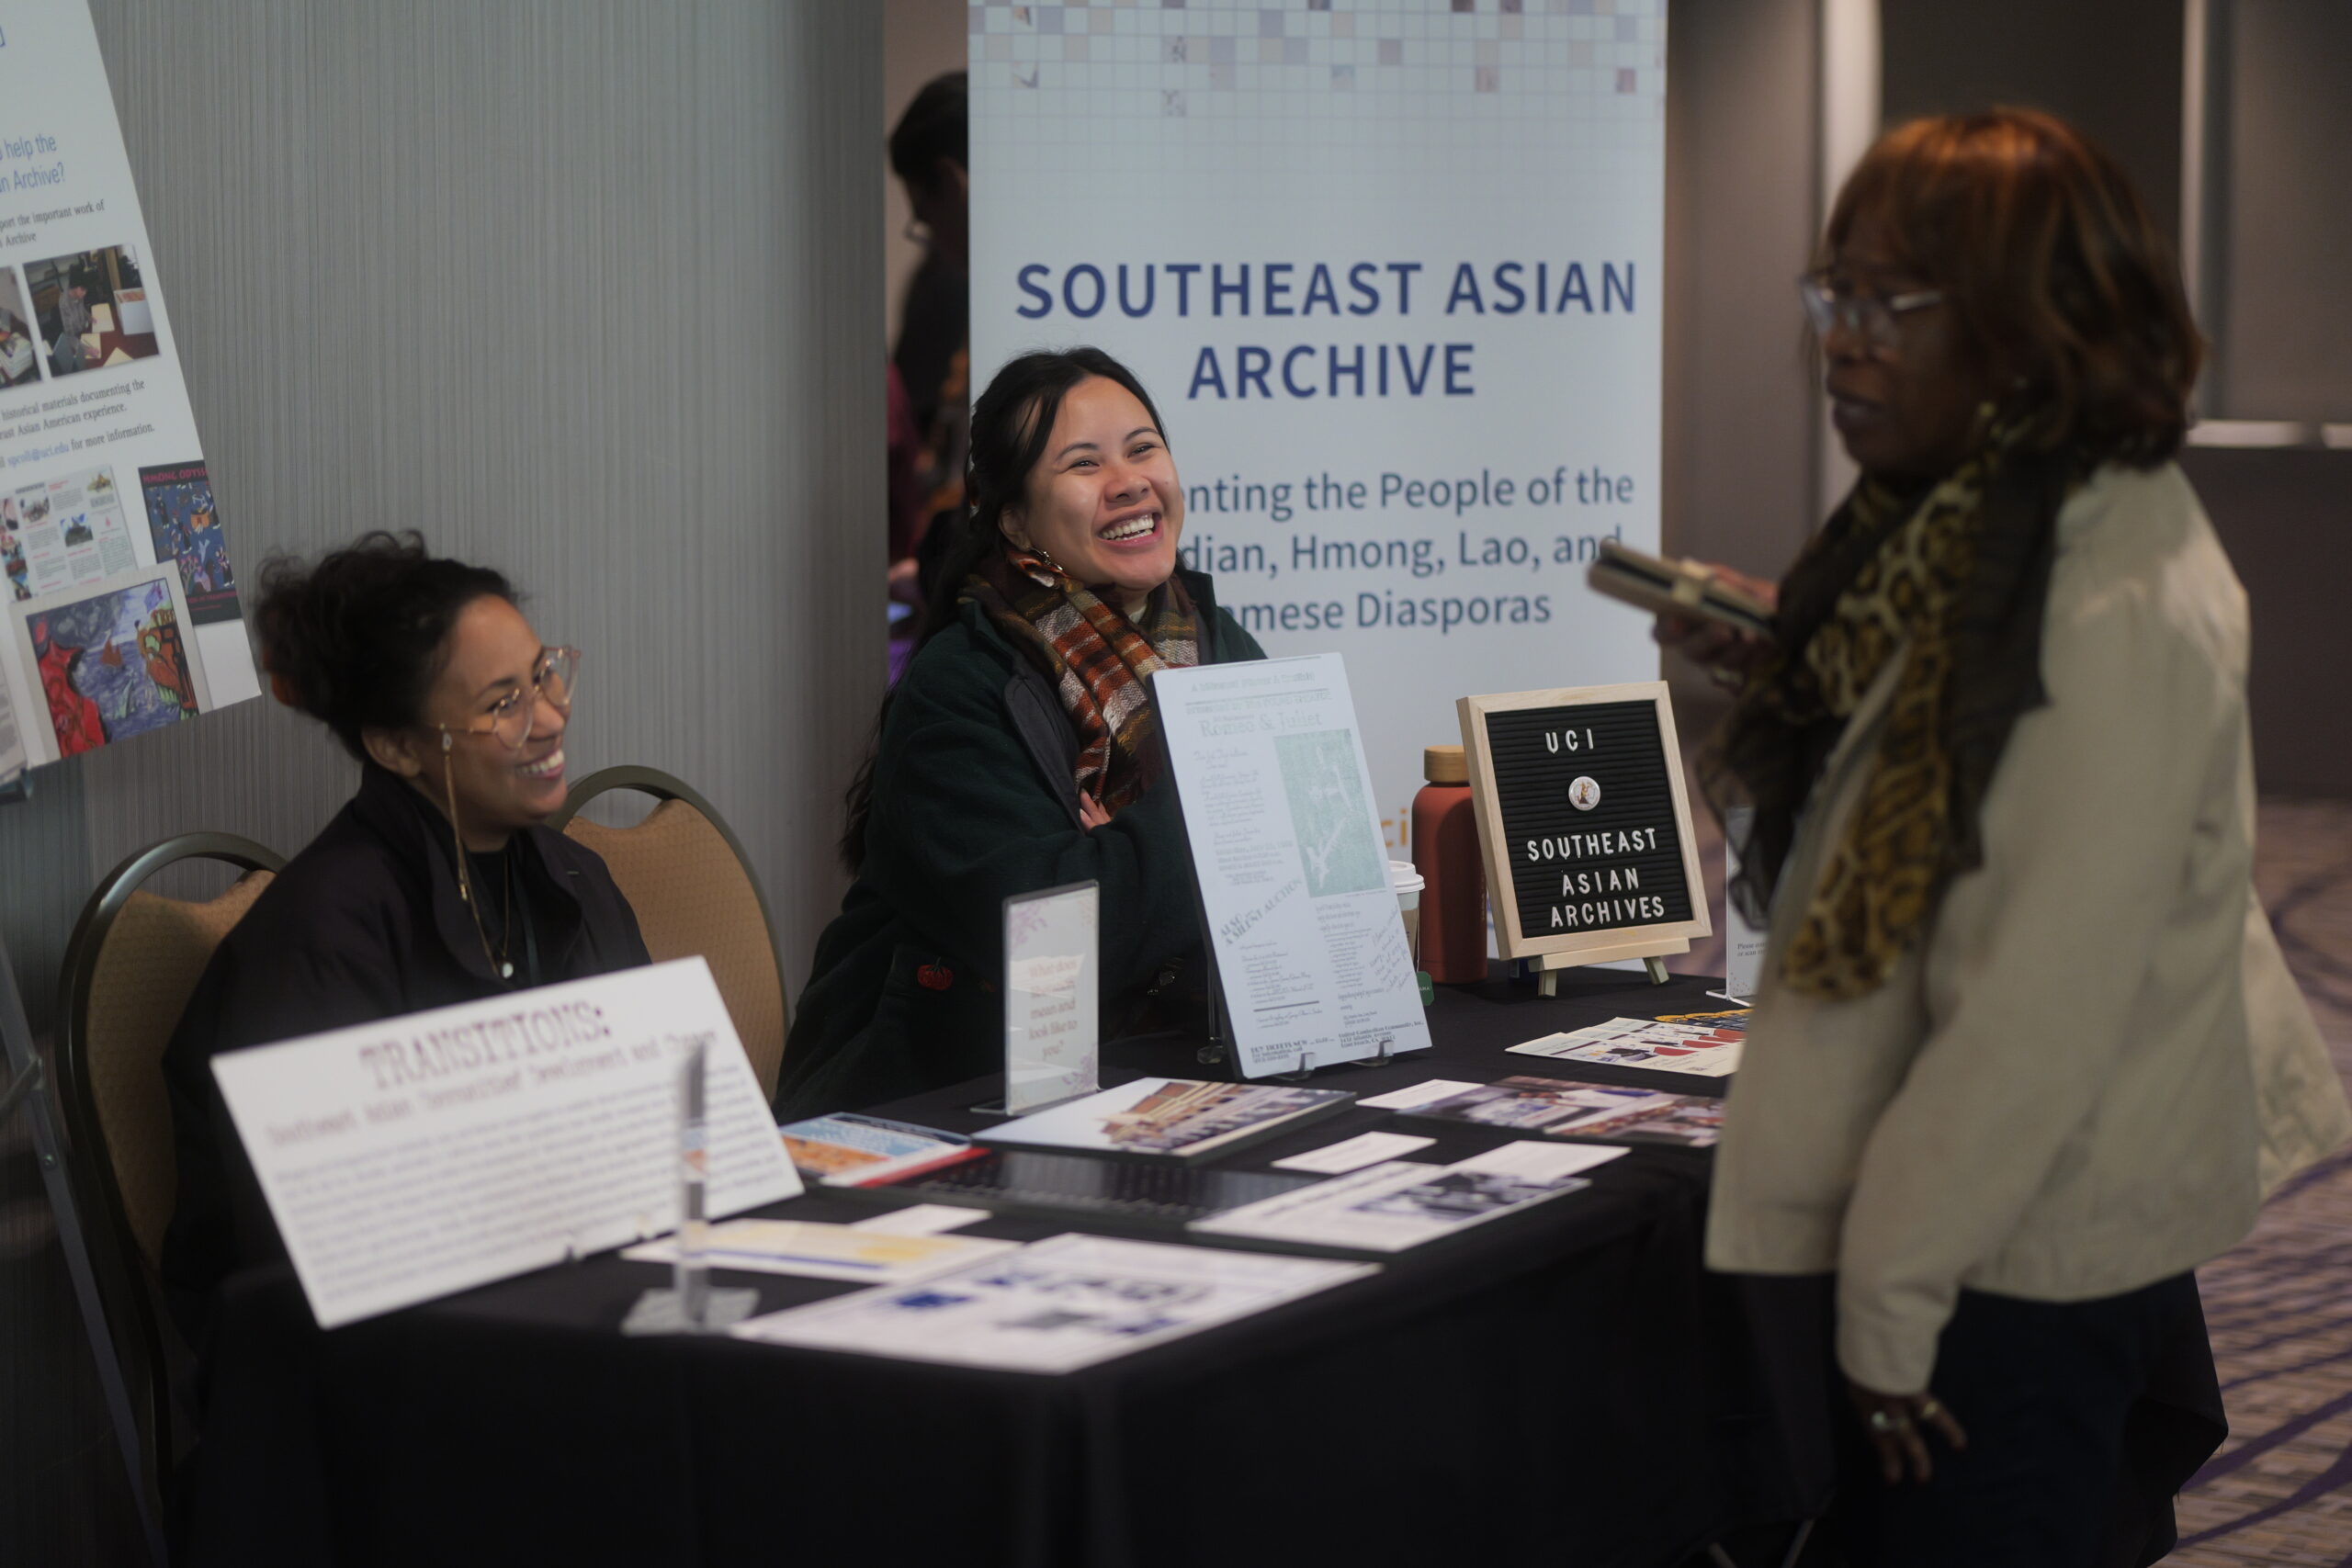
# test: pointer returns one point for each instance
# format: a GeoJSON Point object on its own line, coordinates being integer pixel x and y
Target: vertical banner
{"type": "Point", "coordinates": [122, 607]}
{"type": "Point", "coordinates": [1390, 269]}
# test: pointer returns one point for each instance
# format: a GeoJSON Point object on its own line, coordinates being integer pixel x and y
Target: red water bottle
{"type": "Point", "coordinates": [1445, 851]}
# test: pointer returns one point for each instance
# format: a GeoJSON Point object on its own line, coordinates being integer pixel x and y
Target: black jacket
{"type": "Point", "coordinates": [366, 923]}
{"type": "Point", "coordinates": [976, 800]}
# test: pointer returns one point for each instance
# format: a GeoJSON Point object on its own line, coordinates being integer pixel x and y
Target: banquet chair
{"type": "Point", "coordinates": [684, 874]}
{"type": "Point", "coordinates": [131, 964]}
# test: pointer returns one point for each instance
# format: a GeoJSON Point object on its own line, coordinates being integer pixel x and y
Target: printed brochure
{"type": "Point", "coordinates": [1171, 1118]}
{"type": "Point", "coordinates": [1056, 1306]}
{"type": "Point", "coordinates": [1705, 1043]}
{"type": "Point", "coordinates": [1392, 1207]}
{"type": "Point", "coordinates": [829, 1252]}
{"type": "Point", "coordinates": [851, 1150]}
{"type": "Point", "coordinates": [1603, 1112]}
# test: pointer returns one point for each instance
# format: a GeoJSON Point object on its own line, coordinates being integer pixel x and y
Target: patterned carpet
{"type": "Point", "coordinates": [2280, 1306]}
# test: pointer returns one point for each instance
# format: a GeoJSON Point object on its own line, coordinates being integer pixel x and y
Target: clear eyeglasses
{"type": "Point", "coordinates": [553, 680]}
{"type": "Point", "coordinates": [1874, 317]}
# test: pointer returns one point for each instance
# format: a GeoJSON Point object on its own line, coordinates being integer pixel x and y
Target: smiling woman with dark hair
{"type": "Point", "coordinates": [2025, 1053]}
{"type": "Point", "coordinates": [1019, 752]}
{"type": "Point", "coordinates": [438, 884]}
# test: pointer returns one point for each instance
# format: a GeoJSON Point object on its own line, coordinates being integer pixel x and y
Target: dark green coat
{"type": "Point", "coordinates": [974, 801]}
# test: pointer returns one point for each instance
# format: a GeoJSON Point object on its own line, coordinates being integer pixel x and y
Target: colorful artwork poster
{"type": "Point", "coordinates": [187, 529]}
{"type": "Point", "coordinates": [112, 665]}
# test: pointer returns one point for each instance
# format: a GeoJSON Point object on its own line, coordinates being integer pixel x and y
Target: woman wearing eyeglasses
{"type": "Point", "coordinates": [438, 884]}
{"type": "Point", "coordinates": [2025, 1053]}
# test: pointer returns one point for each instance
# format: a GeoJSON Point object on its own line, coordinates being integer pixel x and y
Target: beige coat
{"type": "Point", "coordinates": [2095, 1064]}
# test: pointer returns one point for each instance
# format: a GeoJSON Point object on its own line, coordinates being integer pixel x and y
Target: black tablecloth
{"type": "Point", "coordinates": [1564, 1386]}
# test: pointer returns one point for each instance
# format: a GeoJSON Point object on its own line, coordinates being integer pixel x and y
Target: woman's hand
{"type": "Point", "coordinates": [1893, 1422]}
{"type": "Point", "coordinates": [1091, 814]}
{"type": "Point", "coordinates": [1713, 643]}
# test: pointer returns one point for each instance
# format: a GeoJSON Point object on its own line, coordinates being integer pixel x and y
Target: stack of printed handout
{"type": "Point", "coordinates": [1706, 1043]}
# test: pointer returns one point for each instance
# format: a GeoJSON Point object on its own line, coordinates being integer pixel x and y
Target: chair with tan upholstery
{"type": "Point", "coordinates": [133, 959]}
{"type": "Point", "coordinates": [687, 878]}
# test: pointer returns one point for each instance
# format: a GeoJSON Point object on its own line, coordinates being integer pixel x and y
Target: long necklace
{"type": "Point", "coordinates": [499, 963]}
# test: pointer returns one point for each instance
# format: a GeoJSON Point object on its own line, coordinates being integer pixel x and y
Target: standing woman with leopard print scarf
{"type": "Point", "coordinates": [1018, 752]}
{"type": "Point", "coordinates": [2026, 1053]}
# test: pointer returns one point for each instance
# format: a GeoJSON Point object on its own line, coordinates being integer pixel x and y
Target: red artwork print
{"type": "Point", "coordinates": [73, 715]}
{"type": "Point", "coordinates": [935, 976]}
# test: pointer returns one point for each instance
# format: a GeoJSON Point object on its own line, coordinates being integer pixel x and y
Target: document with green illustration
{"type": "Point", "coordinates": [1311, 955]}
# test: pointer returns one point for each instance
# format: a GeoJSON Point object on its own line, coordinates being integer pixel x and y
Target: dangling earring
{"type": "Point", "coordinates": [456, 839]}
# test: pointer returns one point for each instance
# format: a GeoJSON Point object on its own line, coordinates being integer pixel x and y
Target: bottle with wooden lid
{"type": "Point", "coordinates": [1445, 851]}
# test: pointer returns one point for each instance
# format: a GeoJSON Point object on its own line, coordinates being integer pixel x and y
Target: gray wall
{"type": "Point", "coordinates": [585, 290]}
{"type": "Point", "coordinates": [2111, 67]}
{"type": "Point", "coordinates": [2285, 348]}
{"type": "Point", "coordinates": [1740, 216]}
{"type": "Point", "coordinates": [1741, 208]}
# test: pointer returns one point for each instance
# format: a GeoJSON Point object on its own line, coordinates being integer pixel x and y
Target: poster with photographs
{"type": "Point", "coordinates": [112, 660]}
{"type": "Point", "coordinates": [123, 610]}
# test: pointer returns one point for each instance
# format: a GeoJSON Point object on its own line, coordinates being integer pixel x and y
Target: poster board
{"type": "Point", "coordinates": [106, 482]}
{"type": "Point", "coordinates": [1585, 823]}
{"type": "Point", "coordinates": [1408, 397]}
{"type": "Point", "coordinates": [1301, 917]}
{"type": "Point", "coordinates": [416, 1156]}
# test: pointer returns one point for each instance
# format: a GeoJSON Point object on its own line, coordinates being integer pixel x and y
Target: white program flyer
{"type": "Point", "coordinates": [1706, 1044]}
{"type": "Point", "coordinates": [1056, 1305]}
{"type": "Point", "coordinates": [1053, 1020]}
{"type": "Point", "coordinates": [1388, 1208]}
{"type": "Point", "coordinates": [1171, 1118]}
{"type": "Point", "coordinates": [114, 560]}
{"type": "Point", "coordinates": [817, 1251]}
{"type": "Point", "coordinates": [1311, 955]}
{"type": "Point", "coordinates": [422, 1155]}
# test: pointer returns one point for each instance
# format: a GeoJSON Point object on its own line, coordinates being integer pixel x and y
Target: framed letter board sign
{"type": "Point", "coordinates": [1585, 823]}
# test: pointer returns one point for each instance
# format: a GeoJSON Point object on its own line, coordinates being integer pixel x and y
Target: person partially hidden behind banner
{"type": "Point", "coordinates": [1017, 754]}
{"type": "Point", "coordinates": [438, 884]}
{"type": "Point", "coordinates": [2025, 1053]}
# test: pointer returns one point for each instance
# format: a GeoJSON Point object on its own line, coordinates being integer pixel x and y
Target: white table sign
{"type": "Point", "coordinates": [1278, 806]}
{"type": "Point", "coordinates": [1052, 1018]}
{"type": "Point", "coordinates": [1743, 944]}
{"type": "Point", "coordinates": [422, 1155]}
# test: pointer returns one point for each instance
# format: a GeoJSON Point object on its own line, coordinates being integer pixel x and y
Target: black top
{"type": "Point", "coordinates": [976, 800]}
{"type": "Point", "coordinates": [366, 923]}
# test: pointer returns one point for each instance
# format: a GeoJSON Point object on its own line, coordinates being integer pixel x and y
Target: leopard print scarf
{"type": "Point", "coordinates": [1951, 579]}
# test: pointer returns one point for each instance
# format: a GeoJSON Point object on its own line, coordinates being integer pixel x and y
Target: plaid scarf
{"type": "Point", "coordinates": [1095, 656]}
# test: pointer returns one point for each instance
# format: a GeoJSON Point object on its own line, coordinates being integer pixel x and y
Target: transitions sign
{"type": "Point", "coordinates": [407, 1159]}
{"type": "Point", "coordinates": [1391, 271]}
